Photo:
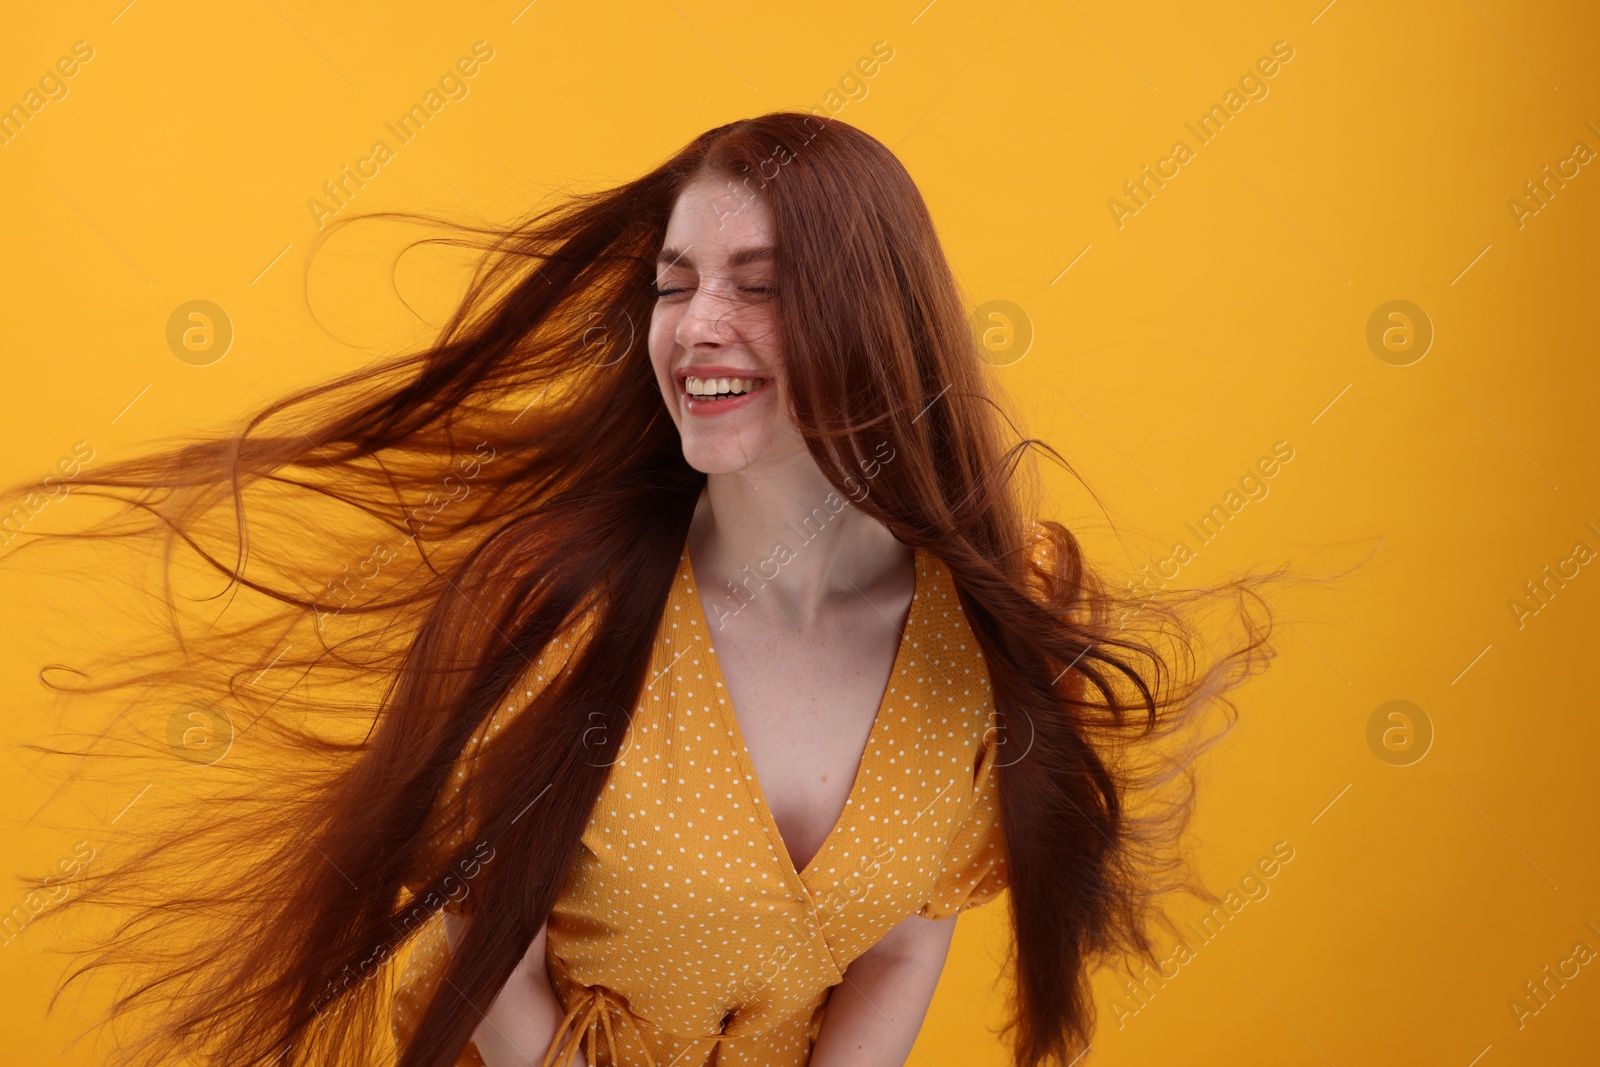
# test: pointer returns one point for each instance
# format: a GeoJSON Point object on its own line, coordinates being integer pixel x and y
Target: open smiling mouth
{"type": "Point", "coordinates": [718, 390]}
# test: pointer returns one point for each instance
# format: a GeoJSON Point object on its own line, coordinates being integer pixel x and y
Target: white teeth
{"type": "Point", "coordinates": [712, 386]}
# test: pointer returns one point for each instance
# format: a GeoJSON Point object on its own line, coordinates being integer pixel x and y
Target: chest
{"type": "Point", "coordinates": [805, 707]}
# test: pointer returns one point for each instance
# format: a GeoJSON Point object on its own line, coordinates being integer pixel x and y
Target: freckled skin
{"type": "Point", "coordinates": [717, 320]}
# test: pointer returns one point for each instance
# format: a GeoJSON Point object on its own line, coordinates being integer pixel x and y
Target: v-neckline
{"type": "Point", "coordinates": [730, 720]}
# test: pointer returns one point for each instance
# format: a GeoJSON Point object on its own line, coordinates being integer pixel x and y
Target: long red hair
{"type": "Point", "coordinates": [398, 544]}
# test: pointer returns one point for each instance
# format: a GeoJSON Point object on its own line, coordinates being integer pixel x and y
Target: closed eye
{"type": "Point", "coordinates": [659, 293]}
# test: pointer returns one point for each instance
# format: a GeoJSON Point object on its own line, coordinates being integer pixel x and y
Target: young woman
{"type": "Point", "coordinates": [728, 670]}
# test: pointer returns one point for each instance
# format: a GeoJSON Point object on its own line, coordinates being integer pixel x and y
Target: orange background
{"type": "Point", "coordinates": [1171, 347]}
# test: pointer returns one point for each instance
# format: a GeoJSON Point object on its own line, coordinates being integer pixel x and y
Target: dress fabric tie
{"type": "Point", "coordinates": [597, 1006]}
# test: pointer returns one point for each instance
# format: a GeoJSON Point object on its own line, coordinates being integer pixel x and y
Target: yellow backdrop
{"type": "Point", "coordinates": [1323, 275]}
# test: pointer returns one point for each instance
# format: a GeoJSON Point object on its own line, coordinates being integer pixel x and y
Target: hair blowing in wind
{"type": "Point", "coordinates": [356, 575]}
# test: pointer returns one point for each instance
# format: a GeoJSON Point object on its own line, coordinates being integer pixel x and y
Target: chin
{"type": "Point", "coordinates": [723, 457]}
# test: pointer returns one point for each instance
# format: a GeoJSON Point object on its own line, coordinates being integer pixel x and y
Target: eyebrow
{"type": "Point", "coordinates": [671, 257]}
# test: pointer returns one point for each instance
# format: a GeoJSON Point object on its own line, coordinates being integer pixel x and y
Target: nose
{"type": "Point", "coordinates": [704, 319]}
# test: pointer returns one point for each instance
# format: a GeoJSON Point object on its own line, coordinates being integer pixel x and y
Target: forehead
{"type": "Point", "coordinates": [716, 222]}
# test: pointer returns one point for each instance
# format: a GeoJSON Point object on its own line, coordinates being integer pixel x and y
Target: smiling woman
{"type": "Point", "coordinates": [716, 294]}
{"type": "Point", "coordinates": [740, 844]}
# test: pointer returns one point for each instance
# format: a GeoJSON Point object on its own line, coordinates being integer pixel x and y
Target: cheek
{"type": "Point", "coordinates": [763, 331]}
{"type": "Point", "coordinates": [660, 344]}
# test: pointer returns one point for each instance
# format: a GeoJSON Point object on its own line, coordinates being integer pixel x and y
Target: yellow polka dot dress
{"type": "Point", "coordinates": [684, 934]}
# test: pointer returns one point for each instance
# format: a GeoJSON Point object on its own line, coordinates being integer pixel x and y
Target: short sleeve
{"type": "Point", "coordinates": [974, 871]}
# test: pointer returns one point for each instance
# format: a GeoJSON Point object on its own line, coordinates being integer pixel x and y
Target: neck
{"type": "Point", "coordinates": [789, 543]}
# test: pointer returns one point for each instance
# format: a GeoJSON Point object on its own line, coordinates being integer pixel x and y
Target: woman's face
{"type": "Point", "coordinates": [714, 330]}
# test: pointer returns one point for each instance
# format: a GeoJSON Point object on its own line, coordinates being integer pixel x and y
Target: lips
{"type": "Point", "coordinates": [713, 390]}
